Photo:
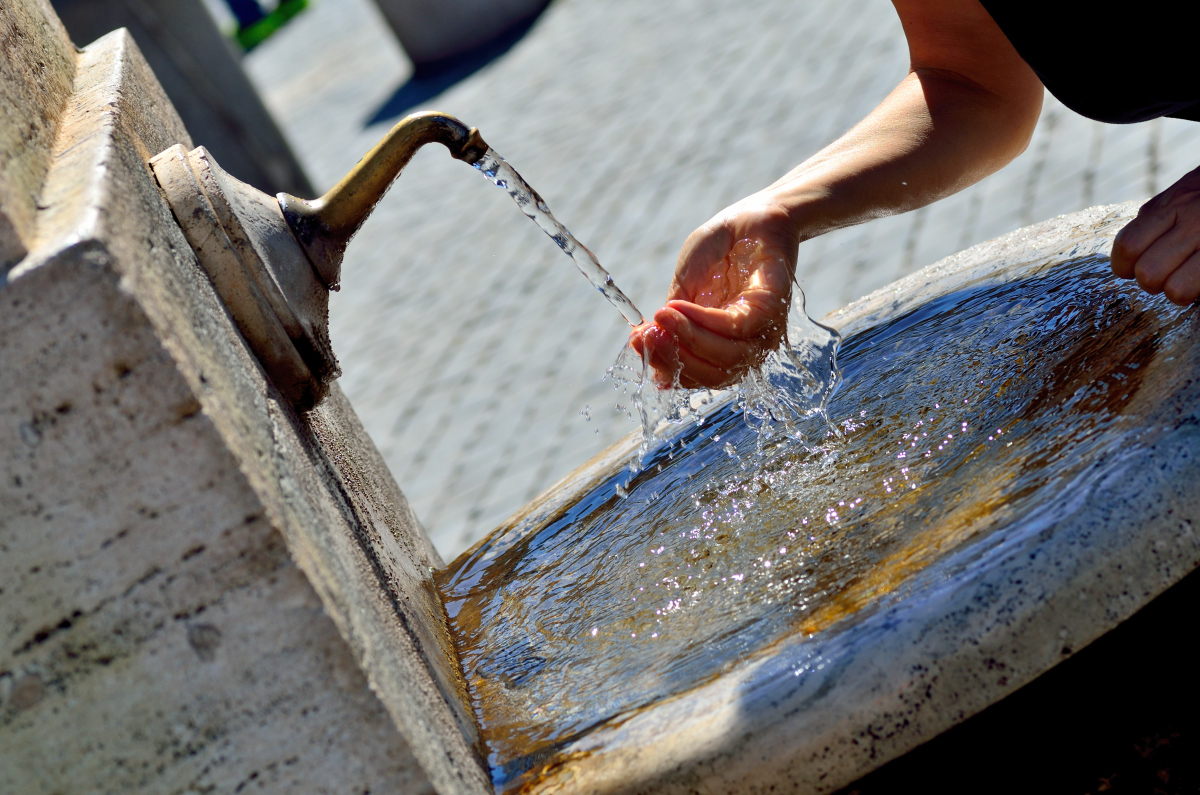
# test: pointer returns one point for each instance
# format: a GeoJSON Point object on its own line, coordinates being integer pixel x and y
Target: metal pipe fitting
{"type": "Point", "coordinates": [325, 226]}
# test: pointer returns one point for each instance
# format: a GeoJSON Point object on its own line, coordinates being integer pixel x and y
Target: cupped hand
{"type": "Point", "coordinates": [1161, 246]}
{"type": "Point", "coordinates": [728, 303]}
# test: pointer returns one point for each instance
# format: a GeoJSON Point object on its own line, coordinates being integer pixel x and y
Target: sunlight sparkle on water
{"type": "Point", "coordinates": [717, 555]}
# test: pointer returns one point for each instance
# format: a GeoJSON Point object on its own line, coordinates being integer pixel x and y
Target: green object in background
{"type": "Point", "coordinates": [251, 36]}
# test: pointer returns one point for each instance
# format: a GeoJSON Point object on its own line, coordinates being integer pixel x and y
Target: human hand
{"type": "Point", "coordinates": [1161, 246]}
{"type": "Point", "coordinates": [728, 302]}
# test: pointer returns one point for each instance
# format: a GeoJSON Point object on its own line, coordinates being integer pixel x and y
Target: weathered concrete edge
{"type": "Point", "coordinates": [1076, 234]}
{"type": "Point", "coordinates": [348, 529]}
{"type": "Point", "coordinates": [764, 726]}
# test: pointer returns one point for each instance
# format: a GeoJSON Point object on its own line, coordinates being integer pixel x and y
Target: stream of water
{"type": "Point", "coordinates": [504, 176]}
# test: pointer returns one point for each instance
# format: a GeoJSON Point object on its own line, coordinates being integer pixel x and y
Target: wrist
{"type": "Point", "coordinates": [805, 206]}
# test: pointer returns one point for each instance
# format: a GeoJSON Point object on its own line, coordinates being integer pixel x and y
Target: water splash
{"type": "Point", "coordinates": [782, 399]}
{"type": "Point", "coordinates": [794, 384]}
{"type": "Point", "coordinates": [778, 398]}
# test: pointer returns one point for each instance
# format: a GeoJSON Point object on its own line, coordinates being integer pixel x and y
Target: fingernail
{"type": "Point", "coordinates": [666, 321]}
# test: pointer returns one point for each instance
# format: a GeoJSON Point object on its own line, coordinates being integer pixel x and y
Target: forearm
{"type": "Point", "coordinates": [932, 136]}
{"type": "Point", "coordinates": [968, 106]}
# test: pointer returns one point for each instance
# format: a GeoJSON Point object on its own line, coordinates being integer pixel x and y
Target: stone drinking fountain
{"type": "Point", "coordinates": [210, 579]}
{"type": "Point", "coordinates": [1011, 474]}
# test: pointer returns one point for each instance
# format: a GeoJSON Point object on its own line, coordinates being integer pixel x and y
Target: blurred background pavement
{"type": "Point", "coordinates": [471, 345]}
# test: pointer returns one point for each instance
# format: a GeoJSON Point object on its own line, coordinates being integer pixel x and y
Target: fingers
{"type": "Point", "coordinates": [672, 361]}
{"type": "Point", "coordinates": [701, 375]}
{"type": "Point", "coordinates": [637, 337]}
{"type": "Point", "coordinates": [719, 350]}
{"type": "Point", "coordinates": [1160, 246]}
{"type": "Point", "coordinates": [696, 373]}
{"type": "Point", "coordinates": [664, 355]}
{"type": "Point", "coordinates": [1183, 285]}
{"type": "Point", "coordinates": [1151, 223]}
{"type": "Point", "coordinates": [754, 314]}
{"type": "Point", "coordinates": [713, 347]}
{"type": "Point", "coordinates": [702, 357]}
{"type": "Point", "coordinates": [1156, 263]}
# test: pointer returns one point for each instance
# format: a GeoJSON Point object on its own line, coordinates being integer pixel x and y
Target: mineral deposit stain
{"type": "Point", "coordinates": [204, 639]}
{"type": "Point", "coordinates": [28, 692]}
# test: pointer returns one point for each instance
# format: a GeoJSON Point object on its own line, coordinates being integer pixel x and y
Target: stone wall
{"type": "Point", "coordinates": [200, 590]}
{"type": "Point", "coordinates": [35, 83]}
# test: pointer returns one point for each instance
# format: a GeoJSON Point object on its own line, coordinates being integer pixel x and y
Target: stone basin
{"type": "Point", "coordinates": [1011, 476]}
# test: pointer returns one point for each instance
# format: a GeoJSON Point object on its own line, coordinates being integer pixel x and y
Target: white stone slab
{"type": "Point", "coordinates": [199, 589]}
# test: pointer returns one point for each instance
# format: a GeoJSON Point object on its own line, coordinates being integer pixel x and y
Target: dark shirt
{"type": "Point", "coordinates": [1117, 63]}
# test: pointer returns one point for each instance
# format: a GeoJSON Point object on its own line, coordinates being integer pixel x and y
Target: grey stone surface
{"type": "Point", "coordinates": [470, 345]}
{"type": "Point", "coordinates": [202, 74]}
{"type": "Point", "coordinates": [432, 30]}
{"type": "Point", "coordinates": [201, 590]}
{"type": "Point", "coordinates": [35, 84]}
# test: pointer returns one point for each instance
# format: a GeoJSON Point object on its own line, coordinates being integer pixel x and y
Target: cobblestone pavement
{"type": "Point", "coordinates": [470, 344]}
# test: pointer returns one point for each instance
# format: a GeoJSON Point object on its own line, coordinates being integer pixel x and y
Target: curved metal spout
{"type": "Point", "coordinates": [324, 226]}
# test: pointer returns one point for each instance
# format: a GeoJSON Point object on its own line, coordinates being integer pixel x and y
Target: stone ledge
{"type": "Point", "coordinates": [178, 540]}
{"type": "Point", "coordinates": [35, 83]}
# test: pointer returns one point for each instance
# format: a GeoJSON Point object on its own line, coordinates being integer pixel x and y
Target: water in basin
{"type": "Point", "coordinates": [963, 424]}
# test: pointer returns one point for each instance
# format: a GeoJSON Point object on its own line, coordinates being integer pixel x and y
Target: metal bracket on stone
{"type": "Point", "coordinates": [273, 260]}
{"type": "Point", "coordinates": [266, 280]}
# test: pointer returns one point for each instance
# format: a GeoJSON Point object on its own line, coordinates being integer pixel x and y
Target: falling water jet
{"type": "Point", "coordinates": [504, 176]}
{"type": "Point", "coordinates": [645, 396]}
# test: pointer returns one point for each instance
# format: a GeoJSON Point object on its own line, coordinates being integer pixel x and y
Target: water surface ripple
{"type": "Point", "coordinates": [959, 422]}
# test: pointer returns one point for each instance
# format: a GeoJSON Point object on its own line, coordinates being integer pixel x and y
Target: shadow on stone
{"type": "Point", "coordinates": [1120, 716]}
{"type": "Point", "coordinates": [204, 79]}
{"type": "Point", "coordinates": [432, 78]}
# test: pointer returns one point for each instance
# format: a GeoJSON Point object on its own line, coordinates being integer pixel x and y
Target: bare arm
{"type": "Point", "coordinates": [967, 107]}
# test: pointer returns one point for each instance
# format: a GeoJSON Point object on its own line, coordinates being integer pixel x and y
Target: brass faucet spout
{"type": "Point", "coordinates": [324, 226]}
